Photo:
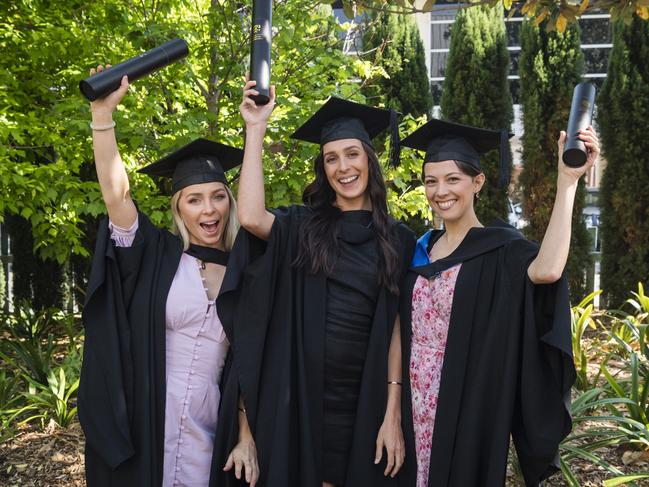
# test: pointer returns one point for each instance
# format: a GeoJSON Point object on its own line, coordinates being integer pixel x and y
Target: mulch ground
{"type": "Point", "coordinates": [54, 458]}
{"type": "Point", "coordinates": [43, 458]}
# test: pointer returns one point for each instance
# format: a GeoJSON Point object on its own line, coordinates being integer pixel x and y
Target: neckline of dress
{"type": "Point", "coordinates": [201, 280]}
{"type": "Point", "coordinates": [490, 227]}
{"type": "Point", "coordinates": [363, 217]}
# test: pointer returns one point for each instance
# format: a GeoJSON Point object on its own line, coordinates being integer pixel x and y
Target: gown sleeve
{"type": "Point", "coordinates": [253, 270]}
{"type": "Point", "coordinates": [256, 280]}
{"type": "Point", "coordinates": [104, 398]}
{"type": "Point", "coordinates": [542, 413]}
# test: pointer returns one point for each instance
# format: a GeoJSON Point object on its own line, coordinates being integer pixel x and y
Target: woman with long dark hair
{"type": "Point", "coordinates": [485, 318]}
{"type": "Point", "coordinates": [312, 298]}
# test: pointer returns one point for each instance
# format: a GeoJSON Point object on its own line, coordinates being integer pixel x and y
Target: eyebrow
{"type": "Point", "coordinates": [454, 173]}
{"type": "Point", "coordinates": [220, 190]}
{"type": "Point", "coordinates": [355, 146]}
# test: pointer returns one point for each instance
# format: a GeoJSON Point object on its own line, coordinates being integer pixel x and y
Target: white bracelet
{"type": "Point", "coordinates": [103, 126]}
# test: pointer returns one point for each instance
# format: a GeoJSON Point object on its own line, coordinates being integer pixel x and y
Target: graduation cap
{"type": "Point", "coordinates": [445, 141]}
{"type": "Point", "coordinates": [200, 161]}
{"type": "Point", "coordinates": [343, 119]}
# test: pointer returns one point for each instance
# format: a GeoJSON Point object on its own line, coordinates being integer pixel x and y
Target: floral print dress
{"type": "Point", "coordinates": [431, 314]}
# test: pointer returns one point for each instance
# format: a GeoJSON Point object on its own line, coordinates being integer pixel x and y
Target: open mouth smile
{"type": "Point", "coordinates": [210, 227]}
{"type": "Point", "coordinates": [445, 205]}
{"type": "Point", "coordinates": [348, 180]}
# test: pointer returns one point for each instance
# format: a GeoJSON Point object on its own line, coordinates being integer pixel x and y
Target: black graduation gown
{"type": "Point", "coordinates": [507, 369]}
{"type": "Point", "coordinates": [273, 314]}
{"type": "Point", "coordinates": [121, 396]}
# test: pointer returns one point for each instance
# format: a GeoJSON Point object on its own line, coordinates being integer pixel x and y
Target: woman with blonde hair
{"type": "Point", "coordinates": [155, 349]}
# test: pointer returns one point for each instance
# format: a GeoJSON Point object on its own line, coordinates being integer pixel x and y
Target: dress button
{"type": "Point", "coordinates": [180, 441]}
{"type": "Point", "coordinates": [184, 415]}
{"type": "Point", "coordinates": [189, 387]}
{"type": "Point", "coordinates": [198, 344]}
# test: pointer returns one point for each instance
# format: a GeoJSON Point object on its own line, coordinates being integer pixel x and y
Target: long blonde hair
{"type": "Point", "coordinates": [231, 228]}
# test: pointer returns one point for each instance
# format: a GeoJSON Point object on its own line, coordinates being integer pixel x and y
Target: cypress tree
{"type": "Point", "coordinates": [550, 66]}
{"type": "Point", "coordinates": [476, 91]}
{"type": "Point", "coordinates": [3, 287]}
{"type": "Point", "coordinates": [623, 116]}
{"type": "Point", "coordinates": [394, 42]}
{"type": "Point", "coordinates": [35, 281]}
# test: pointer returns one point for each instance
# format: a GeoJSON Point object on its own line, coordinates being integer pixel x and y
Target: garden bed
{"type": "Point", "coordinates": [54, 458]}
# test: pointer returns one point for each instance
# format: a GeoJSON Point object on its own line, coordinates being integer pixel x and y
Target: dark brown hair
{"type": "Point", "coordinates": [319, 245]}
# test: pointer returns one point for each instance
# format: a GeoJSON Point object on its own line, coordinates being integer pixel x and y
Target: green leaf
{"type": "Point", "coordinates": [624, 479]}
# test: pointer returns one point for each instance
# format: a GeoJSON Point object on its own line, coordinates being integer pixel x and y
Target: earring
{"type": "Point", "coordinates": [477, 195]}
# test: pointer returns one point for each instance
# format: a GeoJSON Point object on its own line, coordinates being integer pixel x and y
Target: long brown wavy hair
{"type": "Point", "coordinates": [319, 245]}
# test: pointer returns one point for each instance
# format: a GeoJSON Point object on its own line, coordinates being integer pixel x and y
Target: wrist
{"type": "Point", "coordinates": [392, 415]}
{"type": "Point", "coordinates": [102, 116]}
{"type": "Point", "coordinates": [566, 182]}
{"type": "Point", "coordinates": [259, 127]}
{"type": "Point", "coordinates": [244, 435]}
{"type": "Point", "coordinates": [393, 407]}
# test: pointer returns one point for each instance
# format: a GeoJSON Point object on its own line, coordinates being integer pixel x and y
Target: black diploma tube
{"type": "Point", "coordinates": [581, 116]}
{"type": "Point", "coordinates": [101, 84]}
{"type": "Point", "coordinates": [261, 35]}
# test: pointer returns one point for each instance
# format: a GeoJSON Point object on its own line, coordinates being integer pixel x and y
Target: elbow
{"type": "Point", "coordinates": [247, 219]}
{"type": "Point", "coordinates": [546, 276]}
{"type": "Point", "coordinates": [116, 199]}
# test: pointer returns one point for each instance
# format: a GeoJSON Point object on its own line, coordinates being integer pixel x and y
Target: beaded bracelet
{"type": "Point", "coordinates": [102, 126]}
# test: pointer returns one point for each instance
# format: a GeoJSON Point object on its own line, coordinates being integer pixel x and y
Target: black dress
{"type": "Point", "coordinates": [352, 290]}
{"type": "Point", "coordinates": [289, 331]}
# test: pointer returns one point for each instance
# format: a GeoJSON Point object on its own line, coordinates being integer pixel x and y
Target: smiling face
{"type": "Point", "coordinates": [450, 191]}
{"type": "Point", "coordinates": [205, 210]}
{"type": "Point", "coordinates": [347, 170]}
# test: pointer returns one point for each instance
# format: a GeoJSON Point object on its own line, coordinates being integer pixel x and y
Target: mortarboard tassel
{"type": "Point", "coordinates": [505, 163]}
{"type": "Point", "coordinates": [395, 146]}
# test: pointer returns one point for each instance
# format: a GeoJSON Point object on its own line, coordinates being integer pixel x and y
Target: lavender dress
{"type": "Point", "coordinates": [196, 348]}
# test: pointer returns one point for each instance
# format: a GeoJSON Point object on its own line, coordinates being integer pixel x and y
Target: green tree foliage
{"type": "Point", "coordinates": [623, 115]}
{"type": "Point", "coordinates": [46, 160]}
{"type": "Point", "coordinates": [394, 43]}
{"type": "Point", "coordinates": [476, 91]}
{"type": "Point", "coordinates": [550, 66]}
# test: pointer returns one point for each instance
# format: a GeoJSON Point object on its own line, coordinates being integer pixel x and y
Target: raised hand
{"type": "Point", "coordinates": [108, 104]}
{"type": "Point", "coordinates": [252, 113]}
{"type": "Point", "coordinates": [589, 137]}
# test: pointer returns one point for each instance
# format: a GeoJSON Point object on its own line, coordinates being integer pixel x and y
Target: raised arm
{"type": "Point", "coordinates": [108, 163]}
{"type": "Point", "coordinates": [251, 204]}
{"type": "Point", "coordinates": [548, 265]}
